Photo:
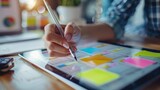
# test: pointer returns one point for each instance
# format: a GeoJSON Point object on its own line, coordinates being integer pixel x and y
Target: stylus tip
{"type": "Point", "coordinates": [75, 58]}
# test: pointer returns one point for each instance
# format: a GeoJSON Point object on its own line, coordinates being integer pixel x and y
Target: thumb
{"type": "Point", "coordinates": [72, 33]}
{"type": "Point", "coordinates": [68, 33]}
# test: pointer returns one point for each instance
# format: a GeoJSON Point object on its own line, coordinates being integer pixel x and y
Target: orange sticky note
{"type": "Point", "coordinates": [97, 59]}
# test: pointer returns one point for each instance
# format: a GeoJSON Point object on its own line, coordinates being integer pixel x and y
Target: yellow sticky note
{"type": "Point", "coordinates": [97, 59]}
{"type": "Point", "coordinates": [148, 54]}
{"type": "Point", "coordinates": [118, 49]}
{"type": "Point", "coordinates": [101, 45]}
{"type": "Point", "coordinates": [97, 76]}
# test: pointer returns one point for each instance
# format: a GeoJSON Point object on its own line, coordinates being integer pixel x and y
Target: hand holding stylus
{"type": "Point", "coordinates": [61, 31]}
{"type": "Point", "coordinates": [57, 45]}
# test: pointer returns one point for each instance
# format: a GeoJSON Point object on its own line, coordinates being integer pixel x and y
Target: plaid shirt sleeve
{"type": "Point", "coordinates": [152, 12]}
{"type": "Point", "coordinates": [118, 13]}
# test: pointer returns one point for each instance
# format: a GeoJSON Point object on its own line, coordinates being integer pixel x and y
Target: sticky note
{"type": "Point", "coordinates": [97, 59]}
{"type": "Point", "coordinates": [148, 53]}
{"type": "Point", "coordinates": [105, 52]}
{"type": "Point", "coordinates": [138, 62]}
{"type": "Point", "coordinates": [90, 50]}
{"type": "Point", "coordinates": [118, 49]}
{"type": "Point", "coordinates": [62, 65]}
{"type": "Point", "coordinates": [101, 45]}
{"type": "Point", "coordinates": [66, 64]}
{"type": "Point", "coordinates": [98, 77]}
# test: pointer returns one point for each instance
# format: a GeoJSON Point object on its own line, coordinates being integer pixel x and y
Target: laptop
{"type": "Point", "coordinates": [10, 17]}
{"type": "Point", "coordinates": [11, 23]}
{"type": "Point", "coordinates": [101, 66]}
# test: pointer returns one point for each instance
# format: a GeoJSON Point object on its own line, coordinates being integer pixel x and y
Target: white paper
{"type": "Point", "coordinates": [17, 47]}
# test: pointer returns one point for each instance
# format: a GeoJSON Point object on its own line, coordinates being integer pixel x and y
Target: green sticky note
{"type": "Point", "coordinates": [148, 54]}
{"type": "Point", "coordinates": [97, 76]}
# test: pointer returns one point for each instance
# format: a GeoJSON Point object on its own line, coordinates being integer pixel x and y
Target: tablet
{"type": "Point", "coordinates": [102, 66]}
{"type": "Point", "coordinates": [10, 17]}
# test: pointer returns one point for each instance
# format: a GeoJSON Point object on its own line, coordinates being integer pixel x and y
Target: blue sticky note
{"type": "Point", "coordinates": [62, 65]}
{"type": "Point", "coordinates": [90, 50]}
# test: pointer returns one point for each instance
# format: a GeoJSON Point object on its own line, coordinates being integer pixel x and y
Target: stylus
{"type": "Point", "coordinates": [60, 29]}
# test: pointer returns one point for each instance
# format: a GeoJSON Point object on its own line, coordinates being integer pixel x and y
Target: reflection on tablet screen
{"type": "Point", "coordinates": [106, 66]}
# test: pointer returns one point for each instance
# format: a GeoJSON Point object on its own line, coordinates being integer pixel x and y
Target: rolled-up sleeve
{"type": "Point", "coordinates": [117, 14]}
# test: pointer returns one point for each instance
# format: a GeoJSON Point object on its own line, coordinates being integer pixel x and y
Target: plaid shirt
{"type": "Point", "coordinates": [119, 11]}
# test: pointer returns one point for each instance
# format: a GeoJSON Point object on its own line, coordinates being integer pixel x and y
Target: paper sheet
{"type": "Point", "coordinates": [17, 47]}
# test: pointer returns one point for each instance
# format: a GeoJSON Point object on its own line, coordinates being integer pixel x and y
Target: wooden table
{"type": "Point", "coordinates": [24, 76]}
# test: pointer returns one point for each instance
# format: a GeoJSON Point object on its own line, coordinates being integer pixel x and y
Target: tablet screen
{"type": "Point", "coordinates": [104, 66]}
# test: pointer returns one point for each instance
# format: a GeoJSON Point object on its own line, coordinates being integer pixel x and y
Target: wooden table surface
{"type": "Point", "coordinates": [27, 77]}
{"type": "Point", "coordinates": [24, 76]}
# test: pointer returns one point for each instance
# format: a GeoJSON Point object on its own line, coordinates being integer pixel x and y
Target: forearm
{"type": "Point", "coordinates": [100, 31]}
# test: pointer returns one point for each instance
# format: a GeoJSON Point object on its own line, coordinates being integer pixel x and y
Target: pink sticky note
{"type": "Point", "coordinates": [139, 62]}
{"type": "Point", "coordinates": [105, 52]}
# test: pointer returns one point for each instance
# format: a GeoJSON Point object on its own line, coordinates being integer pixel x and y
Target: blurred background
{"type": "Point", "coordinates": [34, 16]}
{"type": "Point", "coordinates": [24, 20]}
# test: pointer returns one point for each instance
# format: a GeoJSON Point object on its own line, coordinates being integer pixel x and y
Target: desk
{"type": "Point", "coordinates": [24, 76]}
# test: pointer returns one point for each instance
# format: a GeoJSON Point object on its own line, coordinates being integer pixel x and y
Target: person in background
{"type": "Point", "coordinates": [111, 26]}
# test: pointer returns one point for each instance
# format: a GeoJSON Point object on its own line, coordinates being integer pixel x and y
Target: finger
{"type": "Point", "coordinates": [52, 36]}
{"type": "Point", "coordinates": [57, 48]}
{"type": "Point", "coordinates": [58, 40]}
{"type": "Point", "coordinates": [72, 43]}
{"type": "Point", "coordinates": [73, 46]}
{"type": "Point", "coordinates": [49, 28]}
{"type": "Point", "coordinates": [49, 32]}
{"type": "Point", "coordinates": [56, 54]}
{"type": "Point", "coordinates": [69, 31]}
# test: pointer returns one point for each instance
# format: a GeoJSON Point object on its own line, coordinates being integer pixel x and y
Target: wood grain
{"type": "Point", "coordinates": [26, 77]}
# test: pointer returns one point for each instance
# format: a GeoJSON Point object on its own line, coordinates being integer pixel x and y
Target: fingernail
{"type": "Point", "coordinates": [65, 44]}
{"type": "Point", "coordinates": [68, 37]}
{"type": "Point", "coordinates": [74, 49]}
{"type": "Point", "coordinates": [68, 51]}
